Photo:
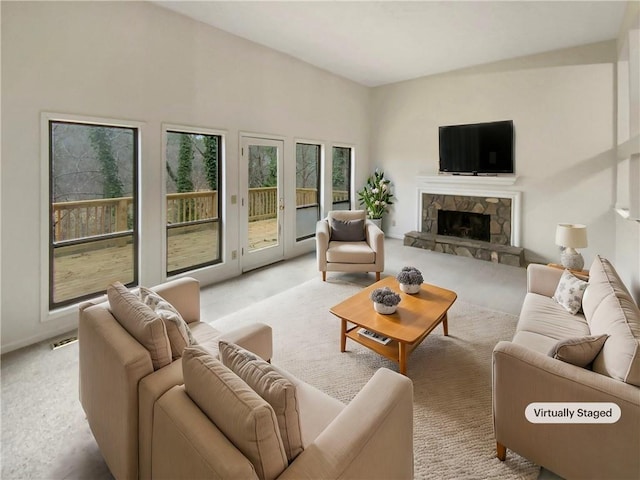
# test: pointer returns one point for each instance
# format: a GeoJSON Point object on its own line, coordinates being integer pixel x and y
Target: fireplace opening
{"type": "Point", "coordinates": [475, 226]}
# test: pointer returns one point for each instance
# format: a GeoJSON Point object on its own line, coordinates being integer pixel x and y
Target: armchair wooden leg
{"type": "Point", "coordinates": [324, 276]}
{"type": "Point", "coordinates": [377, 276]}
{"type": "Point", "coordinates": [501, 451]}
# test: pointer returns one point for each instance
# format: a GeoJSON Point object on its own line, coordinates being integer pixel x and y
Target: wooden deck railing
{"type": "Point", "coordinates": [89, 218]}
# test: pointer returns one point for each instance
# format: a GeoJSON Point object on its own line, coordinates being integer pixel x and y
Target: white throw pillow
{"type": "Point", "coordinates": [178, 331]}
{"type": "Point", "coordinates": [570, 291]}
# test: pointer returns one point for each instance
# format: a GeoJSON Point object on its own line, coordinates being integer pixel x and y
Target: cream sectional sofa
{"type": "Point", "coordinates": [524, 372]}
{"type": "Point", "coordinates": [119, 385]}
{"type": "Point", "coordinates": [161, 412]}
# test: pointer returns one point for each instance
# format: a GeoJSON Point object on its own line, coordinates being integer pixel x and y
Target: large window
{"type": "Point", "coordinates": [93, 209]}
{"type": "Point", "coordinates": [194, 230]}
{"type": "Point", "coordinates": [307, 189]}
{"type": "Point", "coordinates": [341, 178]}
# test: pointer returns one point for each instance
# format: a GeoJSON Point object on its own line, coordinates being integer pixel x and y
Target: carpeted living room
{"type": "Point", "coordinates": [225, 154]}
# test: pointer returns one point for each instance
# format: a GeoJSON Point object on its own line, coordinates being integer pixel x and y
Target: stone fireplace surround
{"type": "Point", "coordinates": [481, 195]}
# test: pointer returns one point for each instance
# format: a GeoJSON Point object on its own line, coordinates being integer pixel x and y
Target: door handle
{"type": "Point", "coordinates": [281, 204]}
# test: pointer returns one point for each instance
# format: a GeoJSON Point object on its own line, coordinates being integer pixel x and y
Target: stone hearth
{"type": "Point", "coordinates": [491, 252]}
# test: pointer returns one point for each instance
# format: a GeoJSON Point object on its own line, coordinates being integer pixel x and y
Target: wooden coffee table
{"type": "Point", "coordinates": [416, 317]}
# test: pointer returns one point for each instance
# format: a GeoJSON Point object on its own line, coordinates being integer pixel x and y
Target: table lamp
{"type": "Point", "coordinates": [571, 236]}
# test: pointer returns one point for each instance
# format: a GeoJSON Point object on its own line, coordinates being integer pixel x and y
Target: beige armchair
{"type": "Point", "coordinates": [347, 242]}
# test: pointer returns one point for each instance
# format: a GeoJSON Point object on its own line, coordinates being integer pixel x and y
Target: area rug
{"type": "Point", "coordinates": [453, 432]}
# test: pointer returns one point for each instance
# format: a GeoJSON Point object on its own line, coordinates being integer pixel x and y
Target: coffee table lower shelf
{"type": "Point", "coordinates": [394, 350]}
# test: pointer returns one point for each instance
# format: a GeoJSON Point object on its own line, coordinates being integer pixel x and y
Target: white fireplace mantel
{"type": "Point", "coordinates": [480, 186]}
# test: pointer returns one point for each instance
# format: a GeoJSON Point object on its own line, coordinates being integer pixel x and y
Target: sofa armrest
{"type": "Point", "coordinates": [111, 364]}
{"type": "Point", "coordinates": [374, 428]}
{"type": "Point", "coordinates": [257, 338]}
{"type": "Point", "coordinates": [184, 295]}
{"type": "Point", "coordinates": [542, 279]}
{"type": "Point", "coordinates": [323, 235]}
{"type": "Point", "coordinates": [522, 376]}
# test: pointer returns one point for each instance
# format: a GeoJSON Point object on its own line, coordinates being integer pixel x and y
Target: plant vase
{"type": "Point", "coordinates": [377, 222]}
{"type": "Point", "coordinates": [410, 288]}
{"type": "Point", "coordinates": [384, 309]}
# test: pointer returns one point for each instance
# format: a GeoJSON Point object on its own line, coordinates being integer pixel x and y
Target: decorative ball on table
{"type": "Point", "coordinates": [385, 300]}
{"type": "Point", "coordinates": [410, 280]}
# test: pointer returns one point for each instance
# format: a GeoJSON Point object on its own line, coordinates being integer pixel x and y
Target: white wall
{"type": "Point", "coordinates": [562, 105]}
{"type": "Point", "coordinates": [628, 231]}
{"type": "Point", "coordinates": [136, 61]}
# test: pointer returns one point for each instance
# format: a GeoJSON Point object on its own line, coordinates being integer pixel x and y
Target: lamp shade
{"type": "Point", "coordinates": [571, 235]}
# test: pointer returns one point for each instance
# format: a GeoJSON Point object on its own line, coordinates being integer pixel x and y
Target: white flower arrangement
{"type": "Point", "coordinates": [376, 195]}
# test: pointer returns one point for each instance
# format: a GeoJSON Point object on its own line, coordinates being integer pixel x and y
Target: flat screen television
{"type": "Point", "coordinates": [477, 149]}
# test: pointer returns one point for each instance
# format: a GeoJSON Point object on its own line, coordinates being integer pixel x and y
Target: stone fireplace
{"type": "Point", "coordinates": [466, 221]}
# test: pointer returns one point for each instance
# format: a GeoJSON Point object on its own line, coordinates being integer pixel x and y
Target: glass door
{"type": "Point", "coordinates": [262, 202]}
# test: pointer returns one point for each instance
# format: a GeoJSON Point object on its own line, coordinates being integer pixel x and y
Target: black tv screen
{"type": "Point", "coordinates": [479, 148]}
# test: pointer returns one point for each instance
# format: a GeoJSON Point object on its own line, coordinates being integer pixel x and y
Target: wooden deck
{"type": "Point", "coordinates": [92, 270]}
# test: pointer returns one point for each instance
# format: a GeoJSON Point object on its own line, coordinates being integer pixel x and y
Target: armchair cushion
{"type": "Point", "coordinates": [347, 230]}
{"type": "Point", "coordinates": [276, 389]}
{"type": "Point", "coordinates": [177, 330]}
{"type": "Point", "coordinates": [241, 414]}
{"type": "Point", "coordinates": [141, 323]}
{"type": "Point", "coordinates": [346, 252]}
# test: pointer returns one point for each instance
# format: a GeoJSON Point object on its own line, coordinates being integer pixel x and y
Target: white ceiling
{"type": "Point", "coordinates": [380, 42]}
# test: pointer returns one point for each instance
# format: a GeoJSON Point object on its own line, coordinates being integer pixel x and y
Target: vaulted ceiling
{"type": "Point", "coordinates": [380, 42]}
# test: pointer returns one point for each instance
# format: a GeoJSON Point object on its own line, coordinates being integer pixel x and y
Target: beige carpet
{"type": "Point", "coordinates": [453, 433]}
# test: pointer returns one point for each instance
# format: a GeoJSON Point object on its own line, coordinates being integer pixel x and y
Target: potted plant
{"type": "Point", "coordinates": [385, 300]}
{"type": "Point", "coordinates": [410, 279]}
{"type": "Point", "coordinates": [376, 196]}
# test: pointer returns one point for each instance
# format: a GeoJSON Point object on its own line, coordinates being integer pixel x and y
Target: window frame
{"type": "Point", "coordinates": [351, 175]}
{"type": "Point", "coordinates": [319, 181]}
{"type": "Point", "coordinates": [49, 309]}
{"type": "Point", "coordinates": [191, 130]}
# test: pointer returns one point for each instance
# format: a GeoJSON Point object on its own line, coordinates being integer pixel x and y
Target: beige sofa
{"type": "Point", "coordinates": [119, 385]}
{"type": "Point", "coordinates": [217, 426]}
{"type": "Point", "coordinates": [524, 372]}
{"type": "Point", "coordinates": [346, 241]}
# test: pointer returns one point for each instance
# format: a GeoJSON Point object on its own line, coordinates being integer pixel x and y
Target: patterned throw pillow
{"type": "Point", "coordinates": [177, 330]}
{"type": "Point", "coordinates": [570, 291]}
{"type": "Point", "coordinates": [579, 351]}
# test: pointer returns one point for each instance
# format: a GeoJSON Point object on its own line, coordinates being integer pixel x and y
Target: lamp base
{"type": "Point", "coordinates": [572, 260]}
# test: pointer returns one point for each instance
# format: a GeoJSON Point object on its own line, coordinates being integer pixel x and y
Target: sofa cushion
{"type": "Point", "coordinates": [569, 292]}
{"type": "Point", "coordinates": [141, 322]}
{"type": "Point", "coordinates": [267, 382]}
{"type": "Point", "coordinates": [177, 329]}
{"type": "Point", "coordinates": [543, 316]}
{"type": "Point", "coordinates": [240, 413]}
{"type": "Point", "coordinates": [609, 309]}
{"type": "Point", "coordinates": [347, 230]}
{"type": "Point", "coordinates": [356, 252]}
{"type": "Point", "coordinates": [578, 351]}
